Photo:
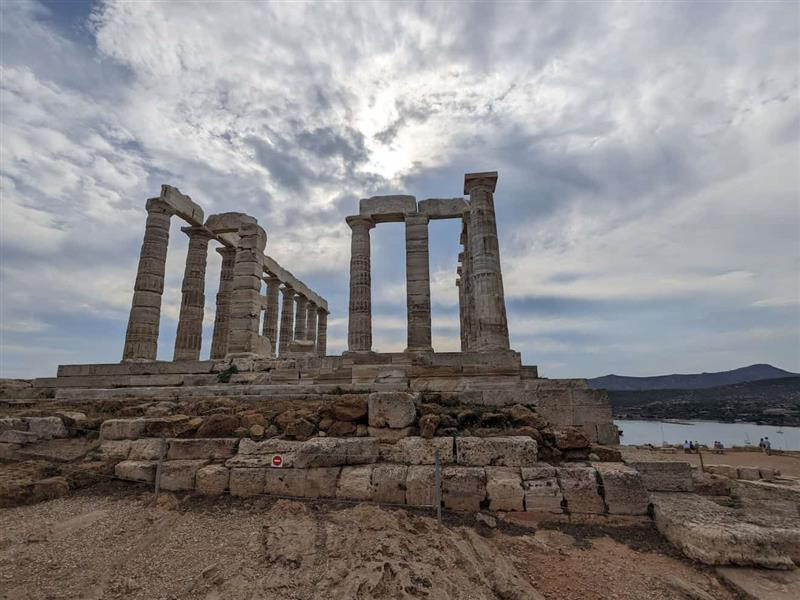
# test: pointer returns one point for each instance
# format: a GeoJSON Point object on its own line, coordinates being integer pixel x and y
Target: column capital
{"type": "Point", "coordinates": [270, 278]}
{"type": "Point", "coordinates": [417, 219]}
{"type": "Point", "coordinates": [486, 180]}
{"type": "Point", "coordinates": [199, 232]}
{"type": "Point", "coordinates": [287, 291]}
{"type": "Point", "coordinates": [359, 222]}
{"type": "Point", "coordinates": [300, 299]}
{"type": "Point", "coordinates": [322, 311]}
{"type": "Point", "coordinates": [157, 205]}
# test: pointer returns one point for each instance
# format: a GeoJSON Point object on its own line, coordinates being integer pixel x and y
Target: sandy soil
{"type": "Point", "coordinates": [786, 464]}
{"type": "Point", "coordinates": [106, 542]}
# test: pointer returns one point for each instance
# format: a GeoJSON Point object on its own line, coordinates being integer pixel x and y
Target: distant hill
{"type": "Point", "coordinates": [767, 401]}
{"type": "Point", "coordinates": [689, 382]}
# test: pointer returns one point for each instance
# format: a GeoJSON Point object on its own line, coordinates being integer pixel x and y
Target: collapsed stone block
{"type": "Point", "coordinates": [136, 470]}
{"type": "Point", "coordinates": [724, 470]}
{"type": "Point", "coordinates": [463, 488]}
{"type": "Point", "coordinates": [14, 423]}
{"type": "Point", "coordinates": [12, 436]}
{"type": "Point", "coordinates": [767, 473]}
{"type": "Point", "coordinates": [665, 476]}
{"type": "Point", "coordinates": [395, 410]}
{"type": "Point", "coordinates": [145, 449]}
{"type": "Point", "coordinates": [579, 487]}
{"type": "Point", "coordinates": [504, 488]}
{"type": "Point", "coordinates": [507, 451]}
{"type": "Point", "coordinates": [420, 486]}
{"type": "Point", "coordinates": [749, 473]}
{"type": "Point", "coordinates": [122, 429]}
{"type": "Point", "coordinates": [623, 489]}
{"type": "Point", "coordinates": [179, 475]}
{"type": "Point", "coordinates": [212, 480]}
{"type": "Point", "coordinates": [389, 483]}
{"type": "Point", "coordinates": [47, 427]}
{"type": "Point", "coordinates": [246, 482]}
{"type": "Point", "coordinates": [355, 483]}
{"type": "Point", "coordinates": [212, 449]}
{"type": "Point", "coordinates": [114, 449]}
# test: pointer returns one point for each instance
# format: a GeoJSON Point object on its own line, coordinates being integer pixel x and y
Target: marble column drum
{"type": "Point", "coordinates": [141, 337]}
{"type": "Point", "coordinates": [219, 339]}
{"type": "Point", "coordinates": [245, 339]}
{"type": "Point", "coordinates": [418, 284]}
{"type": "Point", "coordinates": [359, 330]}
{"type": "Point", "coordinates": [300, 303]}
{"type": "Point", "coordinates": [270, 330]}
{"type": "Point", "coordinates": [189, 338]}
{"type": "Point", "coordinates": [490, 323]}
{"type": "Point", "coordinates": [287, 320]}
{"type": "Point", "coordinates": [311, 322]}
{"type": "Point", "coordinates": [322, 332]}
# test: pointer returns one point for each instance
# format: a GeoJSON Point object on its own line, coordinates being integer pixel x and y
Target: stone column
{"type": "Point", "coordinates": [219, 341]}
{"type": "Point", "coordinates": [300, 317]}
{"type": "Point", "coordinates": [244, 339]}
{"type": "Point", "coordinates": [287, 320]}
{"type": "Point", "coordinates": [141, 337]}
{"type": "Point", "coordinates": [270, 330]}
{"type": "Point", "coordinates": [311, 322]}
{"type": "Point", "coordinates": [189, 338]}
{"type": "Point", "coordinates": [466, 285]}
{"type": "Point", "coordinates": [359, 328]}
{"type": "Point", "coordinates": [322, 332]}
{"type": "Point", "coordinates": [461, 312]}
{"type": "Point", "coordinates": [491, 326]}
{"type": "Point", "coordinates": [418, 284]}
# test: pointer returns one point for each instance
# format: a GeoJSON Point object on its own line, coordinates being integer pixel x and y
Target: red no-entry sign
{"type": "Point", "coordinates": [277, 461]}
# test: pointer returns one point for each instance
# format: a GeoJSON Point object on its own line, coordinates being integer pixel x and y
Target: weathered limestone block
{"type": "Point", "coordinates": [246, 482]}
{"type": "Point", "coordinates": [508, 451]}
{"type": "Point", "coordinates": [355, 483]}
{"type": "Point", "coordinates": [543, 495]}
{"type": "Point", "coordinates": [421, 451]}
{"type": "Point", "coordinates": [385, 209]}
{"type": "Point", "coordinates": [285, 482]}
{"type": "Point", "coordinates": [389, 483]}
{"type": "Point", "coordinates": [212, 480]}
{"type": "Point", "coordinates": [749, 473]}
{"type": "Point", "coordinates": [47, 427]}
{"type": "Point", "coordinates": [321, 482]}
{"type": "Point", "coordinates": [463, 488]}
{"type": "Point", "coordinates": [9, 451]}
{"type": "Point", "coordinates": [717, 535]}
{"type": "Point", "coordinates": [145, 449]}
{"type": "Point", "coordinates": [136, 470]}
{"type": "Point", "coordinates": [179, 475]}
{"type": "Point", "coordinates": [724, 470]}
{"type": "Point", "coordinates": [443, 208]}
{"type": "Point", "coordinates": [385, 434]}
{"type": "Point", "coordinates": [13, 423]}
{"type": "Point", "coordinates": [672, 476]}
{"type": "Point", "coordinates": [579, 487]}
{"type": "Point", "coordinates": [767, 473]}
{"type": "Point", "coordinates": [122, 429]}
{"type": "Point", "coordinates": [12, 436]}
{"type": "Point", "coordinates": [504, 488]}
{"type": "Point", "coordinates": [214, 449]}
{"type": "Point", "coordinates": [538, 471]}
{"type": "Point", "coordinates": [114, 449]}
{"type": "Point", "coordinates": [391, 409]}
{"type": "Point", "coordinates": [623, 489]}
{"type": "Point", "coordinates": [420, 486]}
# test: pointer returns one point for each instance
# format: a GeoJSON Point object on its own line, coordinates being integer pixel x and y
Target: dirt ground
{"type": "Point", "coordinates": [787, 464]}
{"type": "Point", "coordinates": [106, 542]}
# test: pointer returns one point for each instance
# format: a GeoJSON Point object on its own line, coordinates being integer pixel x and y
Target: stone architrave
{"type": "Point", "coordinates": [244, 338]}
{"type": "Point", "coordinates": [418, 284]}
{"type": "Point", "coordinates": [219, 341]}
{"type": "Point", "coordinates": [322, 332]}
{"type": "Point", "coordinates": [287, 320]}
{"type": "Point", "coordinates": [311, 322]}
{"type": "Point", "coordinates": [491, 326]}
{"type": "Point", "coordinates": [359, 329]}
{"type": "Point", "coordinates": [270, 330]}
{"type": "Point", "coordinates": [301, 303]}
{"type": "Point", "coordinates": [189, 338]}
{"type": "Point", "coordinates": [141, 337]}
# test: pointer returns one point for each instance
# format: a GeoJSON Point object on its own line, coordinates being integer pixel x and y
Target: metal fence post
{"type": "Point", "coordinates": [162, 454]}
{"type": "Point", "coordinates": [437, 492]}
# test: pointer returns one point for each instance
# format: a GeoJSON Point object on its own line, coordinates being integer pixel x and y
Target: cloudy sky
{"type": "Point", "coordinates": [648, 202]}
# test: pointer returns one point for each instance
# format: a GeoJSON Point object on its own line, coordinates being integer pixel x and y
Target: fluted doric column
{"type": "Point", "coordinates": [461, 309]}
{"type": "Point", "coordinates": [141, 337]}
{"type": "Point", "coordinates": [359, 330]}
{"type": "Point", "coordinates": [418, 283]}
{"type": "Point", "coordinates": [311, 322]}
{"type": "Point", "coordinates": [287, 322]}
{"type": "Point", "coordinates": [322, 332]}
{"type": "Point", "coordinates": [270, 330]}
{"type": "Point", "coordinates": [489, 317]}
{"type": "Point", "coordinates": [189, 338]}
{"type": "Point", "coordinates": [300, 303]}
{"type": "Point", "coordinates": [222, 317]}
{"type": "Point", "coordinates": [244, 338]}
